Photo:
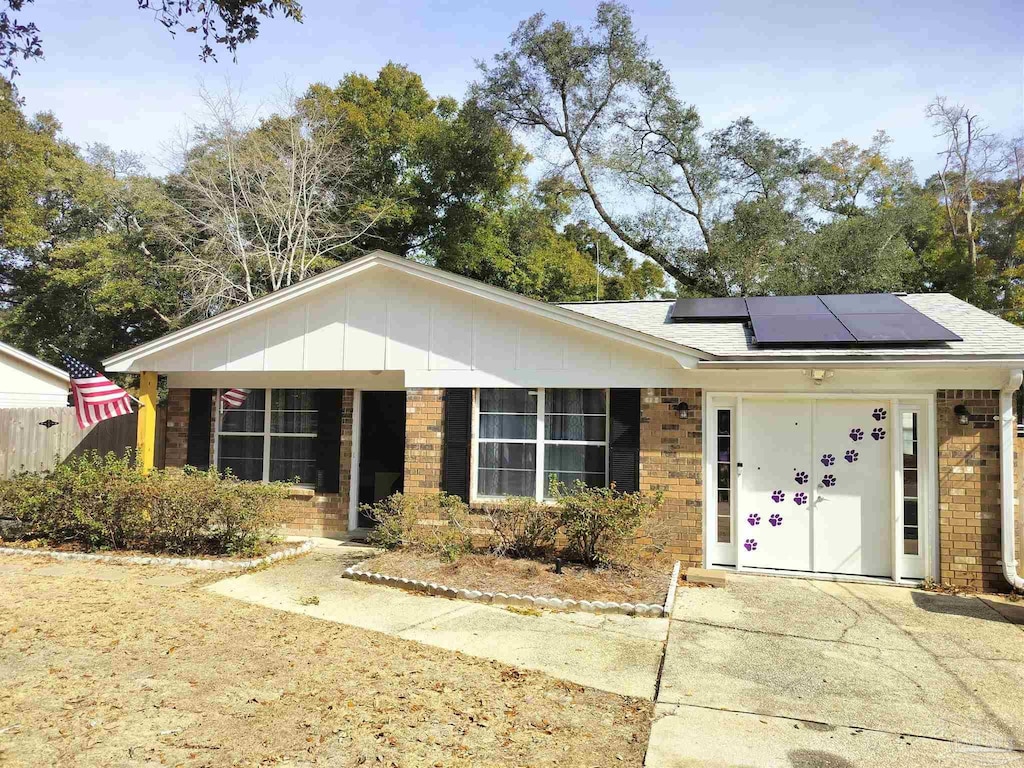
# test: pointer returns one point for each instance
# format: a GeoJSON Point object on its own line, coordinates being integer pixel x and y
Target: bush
{"type": "Point", "coordinates": [395, 518]}
{"type": "Point", "coordinates": [522, 527]}
{"type": "Point", "coordinates": [437, 523]}
{"type": "Point", "coordinates": [599, 523]}
{"type": "Point", "coordinates": [107, 501]}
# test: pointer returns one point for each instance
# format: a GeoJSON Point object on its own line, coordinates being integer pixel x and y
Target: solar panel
{"type": "Point", "coordinates": [789, 330]}
{"type": "Point", "coordinates": [866, 304]}
{"type": "Point", "coordinates": [831, 320]}
{"type": "Point", "coordinates": [912, 327]}
{"type": "Point", "coordinates": [710, 310]}
{"type": "Point", "coordinates": [786, 305]}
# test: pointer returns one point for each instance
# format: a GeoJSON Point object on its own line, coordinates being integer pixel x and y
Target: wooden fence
{"type": "Point", "coordinates": [27, 444]}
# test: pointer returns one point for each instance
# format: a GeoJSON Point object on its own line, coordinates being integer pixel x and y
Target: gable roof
{"type": "Point", "coordinates": [684, 354]}
{"type": "Point", "coordinates": [984, 335]}
{"type": "Point", "coordinates": [33, 362]}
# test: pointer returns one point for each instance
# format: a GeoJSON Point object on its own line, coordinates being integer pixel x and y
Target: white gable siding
{"type": "Point", "coordinates": [386, 320]}
{"type": "Point", "coordinates": [25, 386]}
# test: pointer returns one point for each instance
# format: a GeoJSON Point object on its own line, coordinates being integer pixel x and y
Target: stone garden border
{"type": "Point", "coordinates": [641, 610]}
{"type": "Point", "coordinates": [199, 564]}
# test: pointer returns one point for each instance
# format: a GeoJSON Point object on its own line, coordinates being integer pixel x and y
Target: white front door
{"type": "Point", "coordinates": [815, 486]}
{"type": "Point", "coordinates": [852, 499]}
{"type": "Point", "coordinates": [774, 518]}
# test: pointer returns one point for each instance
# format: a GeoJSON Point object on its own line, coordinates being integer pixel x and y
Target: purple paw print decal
{"type": "Point", "coordinates": [856, 434]}
{"type": "Point", "coordinates": [775, 520]}
{"type": "Point", "coordinates": [851, 456]}
{"type": "Point", "coordinates": [778, 496]}
{"type": "Point", "coordinates": [828, 459]}
{"type": "Point", "coordinates": [800, 477]}
{"type": "Point", "coordinates": [878, 433]}
{"type": "Point", "coordinates": [754, 519]}
{"type": "Point", "coordinates": [828, 481]}
{"type": "Point", "coordinates": [800, 499]}
{"type": "Point", "coordinates": [878, 414]}
{"type": "Point", "coordinates": [750, 545]}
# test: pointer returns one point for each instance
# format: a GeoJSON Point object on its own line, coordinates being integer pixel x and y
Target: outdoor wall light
{"type": "Point", "coordinates": [683, 409]}
{"type": "Point", "coordinates": [962, 414]}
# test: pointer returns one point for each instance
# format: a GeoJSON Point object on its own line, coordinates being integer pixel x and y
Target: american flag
{"type": "Point", "coordinates": [233, 398]}
{"type": "Point", "coordinates": [96, 397]}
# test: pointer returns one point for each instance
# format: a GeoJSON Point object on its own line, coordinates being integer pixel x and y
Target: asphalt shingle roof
{"type": "Point", "coordinates": [983, 334]}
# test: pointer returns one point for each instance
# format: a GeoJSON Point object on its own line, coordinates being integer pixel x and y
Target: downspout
{"type": "Point", "coordinates": [1007, 482]}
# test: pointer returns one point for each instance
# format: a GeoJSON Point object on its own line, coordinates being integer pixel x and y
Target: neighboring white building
{"type": "Point", "coordinates": [28, 382]}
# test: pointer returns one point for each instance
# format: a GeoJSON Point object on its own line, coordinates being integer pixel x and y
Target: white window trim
{"type": "Point", "coordinates": [266, 434]}
{"type": "Point", "coordinates": [538, 440]}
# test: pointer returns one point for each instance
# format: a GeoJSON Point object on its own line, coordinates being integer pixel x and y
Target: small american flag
{"type": "Point", "coordinates": [233, 398]}
{"type": "Point", "coordinates": [96, 397]}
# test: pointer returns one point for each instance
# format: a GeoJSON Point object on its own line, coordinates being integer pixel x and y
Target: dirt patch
{"type": "Point", "coordinates": [647, 583]}
{"type": "Point", "coordinates": [128, 673]}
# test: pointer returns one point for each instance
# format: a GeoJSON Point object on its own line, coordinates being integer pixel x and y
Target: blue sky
{"type": "Point", "coordinates": [816, 71]}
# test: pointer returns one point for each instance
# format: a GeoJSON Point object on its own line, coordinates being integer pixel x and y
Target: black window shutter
{"type": "Point", "coordinates": [458, 411]}
{"type": "Point", "coordinates": [200, 411]}
{"type": "Point", "coordinates": [624, 440]}
{"type": "Point", "coordinates": [328, 440]}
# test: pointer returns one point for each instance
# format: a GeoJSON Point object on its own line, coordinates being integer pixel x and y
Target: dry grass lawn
{"type": "Point", "coordinates": [127, 672]}
{"type": "Point", "coordinates": [643, 583]}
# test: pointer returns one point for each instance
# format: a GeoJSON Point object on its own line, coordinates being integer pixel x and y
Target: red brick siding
{"type": "Point", "coordinates": [176, 440]}
{"type": "Point", "coordinates": [969, 508]}
{"type": "Point", "coordinates": [424, 440]}
{"type": "Point", "coordinates": [671, 461]}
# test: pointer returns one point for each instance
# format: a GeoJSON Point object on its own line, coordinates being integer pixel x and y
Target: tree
{"type": "Point", "coordinates": [845, 180]}
{"type": "Point", "coordinates": [81, 264]}
{"type": "Point", "coordinates": [260, 206]}
{"type": "Point", "coordinates": [227, 23]}
{"type": "Point", "coordinates": [443, 164]}
{"type": "Point", "coordinates": [622, 133]}
{"type": "Point", "coordinates": [971, 157]}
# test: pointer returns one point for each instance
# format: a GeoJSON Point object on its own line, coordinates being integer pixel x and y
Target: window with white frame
{"type": "Point", "coordinates": [526, 437]}
{"type": "Point", "coordinates": [269, 444]}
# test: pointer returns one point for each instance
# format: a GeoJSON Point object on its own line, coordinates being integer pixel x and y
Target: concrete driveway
{"type": "Point", "coordinates": [620, 654]}
{"type": "Point", "coordinates": [791, 673]}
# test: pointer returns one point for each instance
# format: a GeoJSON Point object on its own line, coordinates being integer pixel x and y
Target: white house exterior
{"type": "Point", "coordinates": [28, 382]}
{"type": "Point", "coordinates": [890, 462]}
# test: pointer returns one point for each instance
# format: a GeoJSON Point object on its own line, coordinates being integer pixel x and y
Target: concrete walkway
{"type": "Point", "coordinates": [612, 653]}
{"type": "Point", "coordinates": [791, 673]}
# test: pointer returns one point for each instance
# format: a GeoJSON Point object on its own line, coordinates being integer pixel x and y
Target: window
{"type": "Point", "coordinates": [269, 444]}
{"type": "Point", "coordinates": [526, 436]}
{"type": "Point", "coordinates": [1019, 409]}
{"type": "Point", "coordinates": [911, 494]}
{"type": "Point", "coordinates": [723, 475]}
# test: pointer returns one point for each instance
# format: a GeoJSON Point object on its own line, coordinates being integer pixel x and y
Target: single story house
{"type": "Point", "coordinates": [28, 382]}
{"type": "Point", "coordinates": [840, 436]}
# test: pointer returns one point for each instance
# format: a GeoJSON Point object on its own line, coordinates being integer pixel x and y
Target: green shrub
{"type": "Point", "coordinates": [522, 527]}
{"type": "Point", "coordinates": [98, 501]}
{"type": "Point", "coordinates": [395, 521]}
{"type": "Point", "coordinates": [437, 523]}
{"type": "Point", "coordinates": [601, 523]}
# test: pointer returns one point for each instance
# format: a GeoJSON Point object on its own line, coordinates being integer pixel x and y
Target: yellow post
{"type": "Point", "coordinates": [146, 444]}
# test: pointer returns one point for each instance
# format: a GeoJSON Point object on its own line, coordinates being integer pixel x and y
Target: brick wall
{"type": "Point", "coordinates": [424, 440]}
{"type": "Point", "coordinates": [969, 511]}
{"type": "Point", "coordinates": [308, 513]}
{"type": "Point", "coordinates": [671, 461]}
{"type": "Point", "coordinates": [176, 440]}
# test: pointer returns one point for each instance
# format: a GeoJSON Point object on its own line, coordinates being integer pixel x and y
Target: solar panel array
{"type": "Point", "coordinates": [839, 320]}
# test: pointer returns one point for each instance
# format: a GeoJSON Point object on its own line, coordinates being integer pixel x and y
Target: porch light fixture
{"type": "Point", "coordinates": [683, 409]}
{"type": "Point", "coordinates": [962, 414]}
